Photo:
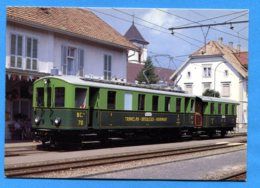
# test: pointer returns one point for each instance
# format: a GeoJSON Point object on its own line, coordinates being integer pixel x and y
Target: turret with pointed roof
{"type": "Point", "coordinates": [135, 36]}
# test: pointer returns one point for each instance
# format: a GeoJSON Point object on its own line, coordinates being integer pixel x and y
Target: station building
{"type": "Point", "coordinates": [64, 41]}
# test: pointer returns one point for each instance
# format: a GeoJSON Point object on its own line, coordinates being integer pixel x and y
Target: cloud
{"type": "Point", "coordinates": [159, 18]}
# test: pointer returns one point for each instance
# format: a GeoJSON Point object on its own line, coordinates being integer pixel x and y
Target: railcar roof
{"type": "Point", "coordinates": [79, 81]}
{"type": "Point", "coordinates": [214, 99]}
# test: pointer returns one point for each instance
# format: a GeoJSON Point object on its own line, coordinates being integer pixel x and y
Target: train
{"type": "Point", "coordinates": [67, 108]}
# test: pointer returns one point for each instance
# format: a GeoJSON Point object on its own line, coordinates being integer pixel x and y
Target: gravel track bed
{"type": "Point", "coordinates": [90, 171]}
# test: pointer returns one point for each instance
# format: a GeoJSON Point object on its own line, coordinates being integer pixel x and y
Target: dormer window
{"type": "Point", "coordinates": [226, 73]}
{"type": "Point", "coordinates": [188, 74]}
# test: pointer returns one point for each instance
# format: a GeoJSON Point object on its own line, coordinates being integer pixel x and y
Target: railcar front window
{"type": "Point", "coordinates": [80, 98]}
{"type": "Point", "coordinates": [59, 96]}
{"type": "Point", "coordinates": [40, 97]}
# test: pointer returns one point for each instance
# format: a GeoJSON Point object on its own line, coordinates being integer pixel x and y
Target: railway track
{"type": "Point", "coordinates": [28, 150]}
{"type": "Point", "coordinates": [235, 176]}
{"type": "Point", "coordinates": [25, 170]}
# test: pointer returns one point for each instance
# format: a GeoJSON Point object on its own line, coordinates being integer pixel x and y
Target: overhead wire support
{"type": "Point", "coordinates": [208, 25]}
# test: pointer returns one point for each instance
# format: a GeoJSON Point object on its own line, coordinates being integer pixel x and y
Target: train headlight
{"type": "Point", "coordinates": [37, 120]}
{"type": "Point", "coordinates": [57, 121]}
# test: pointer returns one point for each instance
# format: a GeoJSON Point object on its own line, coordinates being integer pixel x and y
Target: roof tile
{"type": "Point", "coordinates": [78, 21]}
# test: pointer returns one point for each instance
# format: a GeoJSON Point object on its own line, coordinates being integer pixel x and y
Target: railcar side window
{"type": "Point", "coordinates": [39, 97]}
{"type": "Point", "coordinates": [167, 105]}
{"type": "Point", "coordinates": [155, 103]}
{"type": "Point", "coordinates": [59, 96]}
{"type": "Point", "coordinates": [80, 98]}
{"type": "Point", "coordinates": [233, 109]}
{"type": "Point", "coordinates": [111, 100]}
{"type": "Point", "coordinates": [226, 108]}
{"type": "Point", "coordinates": [219, 108]}
{"type": "Point", "coordinates": [178, 105]}
{"type": "Point", "coordinates": [212, 108]}
{"type": "Point", "coordinates": [128, 100]}
{"type": "Point", "coordinates": [49, 96]}
{"type": "Point", "coordinates": [141, 101]}
{"type": "Point", "coordinates": [192, 105]}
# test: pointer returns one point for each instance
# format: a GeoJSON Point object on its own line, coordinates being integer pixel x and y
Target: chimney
{"type": "Point", "coordinates": [230, 44]}
{"type": "Point", "coordinates": [220, 40]}
{"type": "Point", "coordinates": [238, 47]}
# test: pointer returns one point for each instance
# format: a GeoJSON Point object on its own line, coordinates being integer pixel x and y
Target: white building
{"type": "Point", "coordinates": [218, 67]}
{"type": "Point", "coordinates": [68, 41]}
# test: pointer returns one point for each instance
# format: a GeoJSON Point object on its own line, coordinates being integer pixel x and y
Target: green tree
{"type": "Point", "coordinates": [149, 71]}
{"type": "Point", "coordinates": [211, 93]}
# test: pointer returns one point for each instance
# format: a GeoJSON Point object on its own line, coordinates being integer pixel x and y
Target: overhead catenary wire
{"type": "Point", "coordinates": [123, 12]}
{"type": "Point", "coordinates": [143, 26]}
{"type": "Point", "coordinates": [200, 23]}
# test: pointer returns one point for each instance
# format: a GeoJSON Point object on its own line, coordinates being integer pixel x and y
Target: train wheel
{"type": "Point", "coordinates": [210, 134]}
{"type": "Point", "coordinates": [223, 133]}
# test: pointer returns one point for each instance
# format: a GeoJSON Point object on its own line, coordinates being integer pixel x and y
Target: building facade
{"type": "Point", "coordinates": [63, 41]}
{"type": "Point", "coordinates": [218, 67]}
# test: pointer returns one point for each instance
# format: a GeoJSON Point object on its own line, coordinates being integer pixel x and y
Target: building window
{"type": "Point", "coordinates": [31, 53]}
{"type": "Point", "coordinates": [155, 103]}
{"type": "Point", "coordinates": [72, 61]}
{"type": "Point", "coordinates": [225, 89]}
{"type": "Point", "coordinates": [107, 67]}
{"type": "Point", "coordinates": [188, 88]}
{"type": "Point", "coordinates": [16, 51]}
{"type": "Point", "coordinates": [141, 101]}
{"type": "Point", "coordinates": [167, 105]}
{"type": "Point", "coordinates": [206, 85]}
{"type": "Point", "coordinates": [206, 71]}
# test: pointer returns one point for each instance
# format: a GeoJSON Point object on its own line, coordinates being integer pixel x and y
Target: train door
{"type": "Point", "coordinates": [198, 112]}
{"type": "Point", "coordinates": [93, 102]}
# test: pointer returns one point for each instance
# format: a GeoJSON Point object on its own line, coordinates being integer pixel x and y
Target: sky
{"type": "Point", "coordinates": [168, 50]}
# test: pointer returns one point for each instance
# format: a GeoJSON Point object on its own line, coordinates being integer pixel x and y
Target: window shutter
{"type": "Point", "coordinates": [81, 62]}
{"type": "Point", "coordinates": [63, 60]}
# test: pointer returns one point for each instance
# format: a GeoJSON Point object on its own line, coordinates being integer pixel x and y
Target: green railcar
{"type": "Point", "coordinates": [66, 108]}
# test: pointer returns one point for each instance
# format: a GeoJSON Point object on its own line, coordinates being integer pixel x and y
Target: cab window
{"type": "Point", "coordinates": [39, 97]}
{"type": "Point", "coordinates": [80, 98]}
{"type": "Point", "coordinates": [59, 96]}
